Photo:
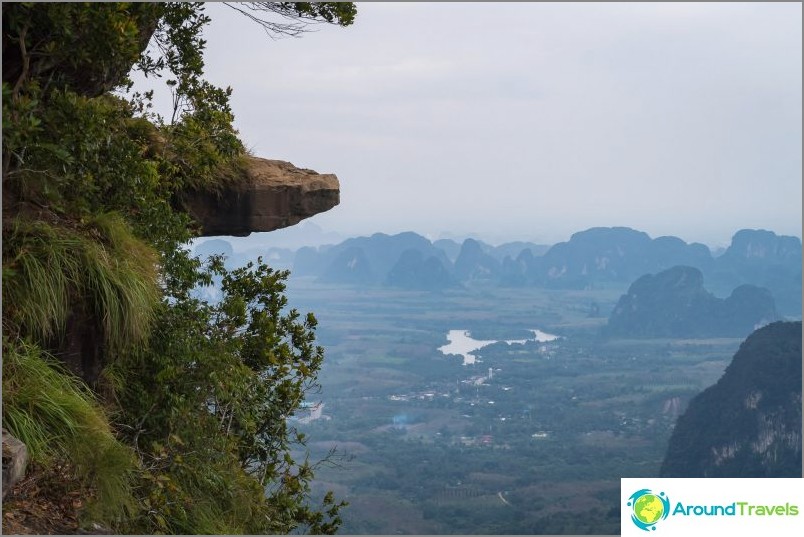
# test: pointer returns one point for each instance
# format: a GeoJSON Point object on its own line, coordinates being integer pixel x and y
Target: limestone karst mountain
{"type": "Point", "coordinates": [749, 423]}
{"type": "Point", "coordinates": [674, 303]}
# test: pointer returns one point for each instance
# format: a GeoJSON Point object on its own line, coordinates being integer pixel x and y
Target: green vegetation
{"type": "Point", "coordinates": [421, 448]}
{"type": "Point", "coordinates": [59, 419]}
{"type": "Point", "coordinates": [104, 266]}
{"type": "Point", "coordinates": [170, 412]}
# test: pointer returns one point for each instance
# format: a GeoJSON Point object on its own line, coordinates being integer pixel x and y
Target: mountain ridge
{"type": "Point", "coordinates": [591, 258]}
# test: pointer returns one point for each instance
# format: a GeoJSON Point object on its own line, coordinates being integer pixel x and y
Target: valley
{"type": "Point", "coordinates": [478, 389]}
{"type": "Point", "coordinates": [532, 438]}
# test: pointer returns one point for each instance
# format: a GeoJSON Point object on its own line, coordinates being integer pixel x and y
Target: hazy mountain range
{"type": "Point", "coordinates": [590, 258]}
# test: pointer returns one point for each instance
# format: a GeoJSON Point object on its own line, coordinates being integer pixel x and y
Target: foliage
{"type": "Point", "coordinates": [74, 154]}
{"type": "Point", "coordinates": [59, 420]}
{"type": "Point", "coordinates": [248, 365]}
{"type": "Point", "coordinates": [414, 422]}
{"type": "Point", "coordinates": [300, 14]}
{"type": "Point", "coordinates": [49, 270]}
{"type": "Point", "coordinates": [85, 49]}
{"type": "Point", "coordinates": [93, 230]}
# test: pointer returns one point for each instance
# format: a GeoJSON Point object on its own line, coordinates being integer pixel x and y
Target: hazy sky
{"type": "Point", "coordinates": [530, 121]}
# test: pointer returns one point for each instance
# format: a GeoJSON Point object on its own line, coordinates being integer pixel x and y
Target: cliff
{"type": "Point", "coordinates": [749, 423]}
{"type": "Point", "coordinates": [269, 195]}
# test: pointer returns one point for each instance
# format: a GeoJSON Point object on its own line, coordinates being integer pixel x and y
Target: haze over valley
{"type": "Point", "coordinates": [506, 389]}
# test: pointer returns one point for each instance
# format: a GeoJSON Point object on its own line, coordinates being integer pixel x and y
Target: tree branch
{"type": "Point", "coordinates": [297, 26]}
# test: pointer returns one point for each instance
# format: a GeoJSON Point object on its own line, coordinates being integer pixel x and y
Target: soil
{"type": "Point", "coordinates": [43, 504]}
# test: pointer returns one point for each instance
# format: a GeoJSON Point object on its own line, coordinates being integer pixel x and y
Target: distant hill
{"type": "Point", "coordinates": [762, 258]}
{"type": "Point", "coordinates": [616, 254]}
{"type": "Point", "coordinates": [674, 303]}
{"type": "Point", "coordinates": [749, 423]}
{"type": "Point", "coordinates": [450, 248]}
{"type": "Point", "coordinates": [500, 252]}
{"type": "Point", "coordinates": [414, 271]}
{"type": "Point", "coordinates": [514, 271]}
{"type": "Point", "coordinates": [363, 260]}
{"type": "Point", "coordinates": [596, 256]}
{"type": "Point", "coordinates": [473, 264]}
{"type": "Point", "coordinates": [513, 249]}
{"type": "Point", "coordinates": [214, 247]}
{"type": "Point", "coordinates": [350, 265]}
{"type": "Point", "coordinates": [277, 258]}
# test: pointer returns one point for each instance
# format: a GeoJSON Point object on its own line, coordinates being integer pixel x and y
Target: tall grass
{"type": "Point", "coordinates": [50, 271]}
{"type": "Point", "coordinates": [58, 419]}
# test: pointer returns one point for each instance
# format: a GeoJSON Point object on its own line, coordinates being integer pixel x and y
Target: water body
{"type": "Point", "coordinates": [461, 342]}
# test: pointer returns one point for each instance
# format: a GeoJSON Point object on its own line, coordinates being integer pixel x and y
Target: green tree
{"type": "Point", "coordinates": [190, 398]}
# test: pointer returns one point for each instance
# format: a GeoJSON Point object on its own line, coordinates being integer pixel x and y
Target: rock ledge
{"type": "Point", "coordinates": [273, 194]}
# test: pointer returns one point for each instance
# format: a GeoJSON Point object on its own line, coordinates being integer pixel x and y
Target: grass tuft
{"type": "Point", "coordinates": [59, 420]}
{"type": "Point", "coordinates": [49, 271]}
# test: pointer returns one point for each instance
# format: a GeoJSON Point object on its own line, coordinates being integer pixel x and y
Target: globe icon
{"type": "Point", "coordinates": [648, 509]}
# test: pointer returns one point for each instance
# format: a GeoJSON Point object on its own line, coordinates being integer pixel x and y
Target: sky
{"type": "Point", "coordinates": [532, 120]}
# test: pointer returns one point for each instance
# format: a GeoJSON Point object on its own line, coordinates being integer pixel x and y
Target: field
{"type": "Point", "coordinates": [426, 445]}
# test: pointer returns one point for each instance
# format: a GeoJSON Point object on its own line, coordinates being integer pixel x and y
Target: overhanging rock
{"type": "Point", "coordinates": [273, 194]}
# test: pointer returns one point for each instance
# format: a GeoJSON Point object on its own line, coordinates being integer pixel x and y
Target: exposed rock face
{"type": "Point", "coordinates": [15, 460]}
{"type": "Point", "coordinates": [273, 194]}
{"type": "Point", "coordinates": [749, 423]}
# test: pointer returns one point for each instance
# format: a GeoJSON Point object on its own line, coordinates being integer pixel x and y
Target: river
{"type": "Point", "coordinates": [461, 342]}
